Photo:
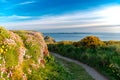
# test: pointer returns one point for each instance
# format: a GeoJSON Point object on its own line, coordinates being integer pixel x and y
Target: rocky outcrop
{"type": "Point", "coordinates": [49, 39]}
{"type": "Point", "coordinates": [21, 52]}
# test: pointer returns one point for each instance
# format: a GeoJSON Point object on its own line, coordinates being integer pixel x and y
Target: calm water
{"type": "Point", "coordinates": [78, 36]}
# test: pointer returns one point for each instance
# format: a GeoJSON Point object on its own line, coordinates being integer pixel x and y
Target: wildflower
{"type": "Point", "coordinates": [1, 50]}
{"type": "Point", "coordinates": [4, 52]}
{"type": "Point", "coordinates": [3, 46]}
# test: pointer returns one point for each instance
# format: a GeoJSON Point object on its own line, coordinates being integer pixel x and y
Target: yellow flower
{"type": "Point", "coordinates": [1, 50]}
{"type": "Point", "coordinates": [3, 46]}
{"type": "Point", "coordinates": [6, 50]}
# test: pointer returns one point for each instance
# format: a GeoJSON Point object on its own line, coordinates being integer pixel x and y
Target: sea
{"type": "Point", "coordinates": [78, 36]}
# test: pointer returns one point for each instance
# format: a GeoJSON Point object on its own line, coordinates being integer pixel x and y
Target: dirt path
{"type": "Point", "coordinates": [91, 71]}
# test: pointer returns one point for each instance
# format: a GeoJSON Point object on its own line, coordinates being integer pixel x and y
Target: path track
{"type": "Point", "coordinates": [91, 71]}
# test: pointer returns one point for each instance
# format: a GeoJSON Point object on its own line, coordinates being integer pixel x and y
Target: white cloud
{"type": "Point", "coordinates": [18, 17]}
{"type": "Point", "coordinates": [111, 14]}
{"type": "Point", "coordinates": [25, 3]}
{"type": "Point", "coordinates": [13, 18]}
{"type": "Point", "coordinates": [20, 4]}
{"type": "Point", "coordinates": [96, 19]}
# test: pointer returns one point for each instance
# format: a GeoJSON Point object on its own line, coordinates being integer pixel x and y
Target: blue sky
{"type": "Point", "coordinates": [85, 15]}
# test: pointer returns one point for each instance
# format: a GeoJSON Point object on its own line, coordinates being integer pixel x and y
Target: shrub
{"type": "Point", "coordinates": [91, 42]}
{"type": "Point", "coordinates": [76, 44]}
{"type": "Point", "coordinates": [65, 42]}
{"type": "Point", "coordinates": [114, 70]}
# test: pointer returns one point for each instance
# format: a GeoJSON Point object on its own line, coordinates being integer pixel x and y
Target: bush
{"type": "Point", "coordinates": [91, 42]}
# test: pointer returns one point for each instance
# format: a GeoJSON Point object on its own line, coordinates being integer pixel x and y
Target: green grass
{"type": "Point", "coordinates": [77, 72]}
{"type": "Point", "coordinates": [53, 71]}
{"type": "Point", "coordinates": [59, 69]}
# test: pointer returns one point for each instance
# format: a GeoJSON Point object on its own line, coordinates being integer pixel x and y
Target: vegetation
{"type": "Point", "coordinates": [91, 42]}
{"type": "Point", "coordinates": [77, 72]}
{"type": "Point", "coordinates": [102, 55]}
{"type": "Point", "coordinates": [24, 56]}
{"type": "Point", "coordinates": [53, 71]}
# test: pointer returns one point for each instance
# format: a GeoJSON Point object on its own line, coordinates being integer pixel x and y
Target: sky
{"type": "Point", "coordinates": [61, 15]}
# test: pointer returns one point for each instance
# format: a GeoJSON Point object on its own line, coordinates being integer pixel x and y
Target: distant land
{"type": "Point", "coordinates": [76, 36]}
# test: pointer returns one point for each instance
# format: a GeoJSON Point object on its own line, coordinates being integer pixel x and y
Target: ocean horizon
{"type": "Point", "coordinates": [76, 36]}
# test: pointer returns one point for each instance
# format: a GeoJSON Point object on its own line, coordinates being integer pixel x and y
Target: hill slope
{"type": "Point", "coordinates": [24, 56]}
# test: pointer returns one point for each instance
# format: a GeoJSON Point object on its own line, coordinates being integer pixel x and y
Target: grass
{"type": "Point", "coordinates": [53, 71]}
{"type": "Point", "coordinates": [101, 55]}
{"type": "Point", "coordinates": [77, 72]}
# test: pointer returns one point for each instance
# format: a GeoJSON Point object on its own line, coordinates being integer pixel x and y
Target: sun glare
{"type": "Point", "coordinates": [111, 15]}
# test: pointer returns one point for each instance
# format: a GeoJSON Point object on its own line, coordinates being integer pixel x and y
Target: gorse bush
{"type": "Point", "coordinates": [111, 42]}
{"type": "Point", "coordinates": [91, 42]}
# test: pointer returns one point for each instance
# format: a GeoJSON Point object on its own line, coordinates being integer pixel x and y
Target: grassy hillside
{"type": "Point", "coordinates": [102, 55]}
{"type": "Point", "coordinates": [24, 56]}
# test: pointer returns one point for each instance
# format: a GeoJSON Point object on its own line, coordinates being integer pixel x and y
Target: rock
{"type": "Point", "coordinates": [49, 39]}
